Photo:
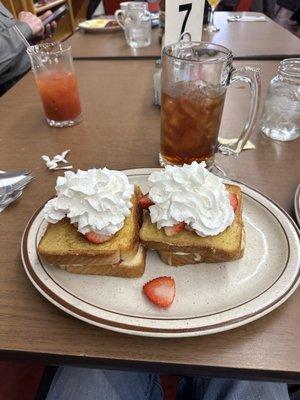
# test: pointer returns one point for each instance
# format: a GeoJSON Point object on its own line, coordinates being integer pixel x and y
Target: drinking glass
{"type": "Point", "coordinates": [211, 26]}
{"type": "Point", "coordinates": [281, 115]}
{"type": "Point", "coordinates": [135, 20]}
{"type": "Point", "coordinates": [56, 81]}
{"type": "Point", "coordinates": [195, 76]}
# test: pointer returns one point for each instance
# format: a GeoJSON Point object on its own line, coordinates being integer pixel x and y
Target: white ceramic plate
{"type": "Point", "coordinates": [209, 298]}
{"type": "Point", "coordinates": [90, 26]}
{"type": "Point", "coordinates": [297, 204]}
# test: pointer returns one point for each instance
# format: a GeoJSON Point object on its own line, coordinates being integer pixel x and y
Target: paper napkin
{"type": "Point", "coordinates": [234, 18]}
{"type": "Point", "coordinates": [8, 181]}
{"type": "Point", "coordinates": [52, 164]}
{"type": "Point", "coordinates": [248, 146]}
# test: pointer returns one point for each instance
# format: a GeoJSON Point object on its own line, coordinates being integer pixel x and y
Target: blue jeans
{"type": "Point", "coordinates": [72, 383]}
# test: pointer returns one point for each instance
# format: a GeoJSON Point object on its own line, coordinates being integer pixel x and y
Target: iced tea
{"type": "Point", "coordinates": [195, 76]}
{"type": "Point", "coordinates": [190, 125]}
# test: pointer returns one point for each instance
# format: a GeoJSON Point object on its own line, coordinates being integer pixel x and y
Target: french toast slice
{"type": "Point", "coordinates": [133, 267]}
{"type": "Point", "coordinates": [65, 247]}
{"type": "Point", "coordinates": [187, 247]}
{"type": "Point", "coordinates": [177, 259]}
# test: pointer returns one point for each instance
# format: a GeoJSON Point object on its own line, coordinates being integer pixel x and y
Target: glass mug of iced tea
{"type": "Point", "coordinates": [195, 76]}
{"type": "Point", "coordinates": [55, 77]}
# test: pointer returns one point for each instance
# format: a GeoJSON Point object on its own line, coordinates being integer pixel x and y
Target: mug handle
{"type": "Point", "coordinates": [185, 36]}
{"type": "Point", "coordinates": [251, 76]}
{"type": "Point", "coordinates": [118, 14]}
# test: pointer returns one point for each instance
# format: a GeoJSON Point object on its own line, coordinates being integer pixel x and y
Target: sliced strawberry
{"type": "Point", "coordinates": [173, 230]}
{"type": "Point", "coordinates": [161, 291]}
{"type": "Point", "coordinates": [145, 202]}
{"type": "Point", "coordinates": [96, 238]}
{"type": "Point", "coordinates": [233, 200]}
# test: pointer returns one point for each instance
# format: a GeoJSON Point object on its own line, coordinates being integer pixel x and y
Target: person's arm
{"type": "Point", "coordinates": [11, 46]}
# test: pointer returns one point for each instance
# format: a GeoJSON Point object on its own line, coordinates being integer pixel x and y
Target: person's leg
{"type": "Point", "coordinates": [94, 384]}
{"type": "Point", "coordinates": [227, 389]}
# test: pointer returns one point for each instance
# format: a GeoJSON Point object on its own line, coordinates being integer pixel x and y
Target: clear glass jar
{"type": "Point", "coordinates": [281, 115]}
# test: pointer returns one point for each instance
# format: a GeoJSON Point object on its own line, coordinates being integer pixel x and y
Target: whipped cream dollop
{"type": "Point", "coordinates": [95, 200]}
{"type": "Point", "coordinates": [191, 194]}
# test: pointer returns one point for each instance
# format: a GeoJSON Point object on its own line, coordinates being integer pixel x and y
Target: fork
{"type": "Point", "coordinates": [9, 189]}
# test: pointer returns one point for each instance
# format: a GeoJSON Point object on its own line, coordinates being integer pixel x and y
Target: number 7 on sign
{"type": "Point", "coordinates": [185, 7]}
{"type": "Point", "coordinates": [183, 16]}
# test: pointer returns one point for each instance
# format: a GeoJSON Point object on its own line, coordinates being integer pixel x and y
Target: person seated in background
{"type": "Point", "coordinates": [14, 62]}
{"type": "Point", "coordinates": [293, 6]}
{"type": "Point", "coordinates": [92, 6]}
{"type": "Point", "coordinates": [296, 15]}
{"type": "Point", "coordinates": [263, 6]}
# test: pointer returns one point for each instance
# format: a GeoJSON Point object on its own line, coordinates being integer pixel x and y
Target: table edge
{"type": "Point", "coordinates": [169, 368]}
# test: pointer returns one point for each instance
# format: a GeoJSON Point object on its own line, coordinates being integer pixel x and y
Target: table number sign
{"type": "Point", "coordinates": [183, 16]}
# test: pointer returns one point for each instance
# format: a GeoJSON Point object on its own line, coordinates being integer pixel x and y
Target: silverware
{"type": "Point", "coordinates": [14, 174]}
{"type": "Point", "coordinates": [10, 199]}
{"type": "Point", "coordinates": [241, 18]}
{"type": "Point", "coordinates": [9, 189]}
{"type": "Point", "coordinates": [233, 18]}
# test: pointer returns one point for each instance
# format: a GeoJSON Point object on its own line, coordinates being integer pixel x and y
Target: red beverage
{"type": "Point", "coordinates": [59, 93]}
{"type": "Point", "coordinates": [153, 6]}
{"type": "Point", "coordinates": [190, 125]}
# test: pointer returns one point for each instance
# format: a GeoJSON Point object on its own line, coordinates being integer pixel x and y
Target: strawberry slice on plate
{"type": "Point", "coordinates": [145, 202]}
{"type": "Point", "coordinates": [173, 230]}
{"type": "Point", "coordinates": [233, 200]}
{"type": "Point", "coordinates": [161, 291]}
{"type": "Point", "coordinates": [97, 238]}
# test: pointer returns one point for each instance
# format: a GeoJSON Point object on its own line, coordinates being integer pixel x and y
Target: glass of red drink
{"type": "Point", "coordinates": [53, 69]}
{"type": "Point", "coordinates": [195, 77]}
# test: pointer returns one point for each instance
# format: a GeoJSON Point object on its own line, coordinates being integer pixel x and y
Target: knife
{"type": "Point", "coordinates": [13, 174]}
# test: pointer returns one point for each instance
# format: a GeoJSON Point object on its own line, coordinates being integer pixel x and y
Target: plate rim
{"type": "Point", "coordinates": [297, 204]}
{"type": "Point", "coordinates": [149, 331]}
{"type": "Point", "coordinates": [117, 28]}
